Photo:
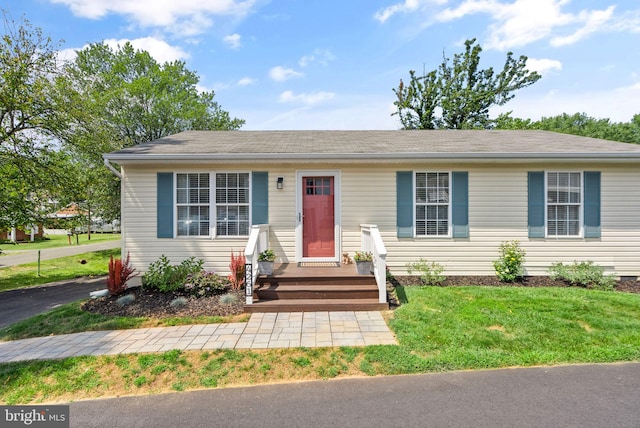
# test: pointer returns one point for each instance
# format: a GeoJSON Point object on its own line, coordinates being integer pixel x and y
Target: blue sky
{"type": "Point", "coordinates": [326, 64]}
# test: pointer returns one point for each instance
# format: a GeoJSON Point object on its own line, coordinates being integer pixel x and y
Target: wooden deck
{"type": "Point", "coordinates": [304, 288]}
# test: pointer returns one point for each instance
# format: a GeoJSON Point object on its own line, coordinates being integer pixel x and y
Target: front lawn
{"type": "Point", "coordinates": [438, 329]}
{"type": "Point", "coordinates": [86, 264]}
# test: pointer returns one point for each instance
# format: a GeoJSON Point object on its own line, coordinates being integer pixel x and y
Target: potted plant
{"type": "Point", "coordinates": [265, 262]}
{"type": "Point", "coordinates": [364, 262]}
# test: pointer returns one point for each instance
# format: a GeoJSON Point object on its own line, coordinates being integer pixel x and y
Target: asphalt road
{"type": "Point", "coordinates": [584, 396]}
{"type": "Point", "coordinates": [23, 303]}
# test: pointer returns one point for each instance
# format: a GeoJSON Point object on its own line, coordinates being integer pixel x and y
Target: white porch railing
{"type": "Point", "coordinates": [257, 243]}
{"type": "Point", "coordinates": [372, 242]}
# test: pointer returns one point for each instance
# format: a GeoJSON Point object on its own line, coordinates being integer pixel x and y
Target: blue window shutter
{"type": "Point", "coordinates": [165, 205]}
{"type": "Point", "coordinates": [591, 204]}
{"type": "Point", "coordinates": [260, 198]}
{"type": "Point", "coordinates": [536, 205]}
{"type": "Point", "coordinates": [404, 204]}
{"type": "Point", "coordinates": [460, 205]}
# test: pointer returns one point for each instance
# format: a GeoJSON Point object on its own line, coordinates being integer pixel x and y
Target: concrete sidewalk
{"type": "Point", "coordinates": [262, 331]}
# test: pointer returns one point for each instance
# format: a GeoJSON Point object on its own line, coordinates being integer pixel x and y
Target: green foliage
{"type": "Point", "coordinates": [430, 272]}
{"type": "Point", "coordinates": [32, 116]}
{"type": "Point", "coordinates": [583, 274]}
{"type": "Point", "coordinates": [205, 283]}
{"type": "Point", "coordinates": [462, 91]}
{"type": "Point", "coordinates": [166, 278]}
{"type": "Point", "coordinates": [123, 97]}
{"type": "Point", "coordinates": [267, 256]}
{"type": "Point", "coordinates": [509, 267]}
{"type": "Point", "coordinates": [363, 256]}
{"type": "Point", "coordinates": [578, 124]}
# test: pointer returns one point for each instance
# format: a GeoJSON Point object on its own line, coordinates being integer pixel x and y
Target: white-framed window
{"type": "Point", "coordinates": [564, 203]}
{"type": "Point", "coordinates": [432, 203]}
{"type": "Point", "coordinates": [193, 204]}
{"type": "Point", "coordinates": [232, 203]}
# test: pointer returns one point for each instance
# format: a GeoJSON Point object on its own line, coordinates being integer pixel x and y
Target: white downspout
{"type": "Point", "coordinates": [115, 171]}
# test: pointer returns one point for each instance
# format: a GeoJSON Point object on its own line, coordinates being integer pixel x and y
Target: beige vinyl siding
{"type": "Point", "coordinates": [497, 212]}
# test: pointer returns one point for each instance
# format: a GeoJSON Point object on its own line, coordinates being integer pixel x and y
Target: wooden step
{"type": "Point", "coordinates": [333, 291]}
{"type": "Point", "coordinates": [314, 305]}
{"type": "Point", "coordinates": [316, 280]}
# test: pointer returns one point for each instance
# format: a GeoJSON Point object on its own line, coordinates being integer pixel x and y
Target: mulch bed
{"type": "Point", "coordinates": [153, 304]}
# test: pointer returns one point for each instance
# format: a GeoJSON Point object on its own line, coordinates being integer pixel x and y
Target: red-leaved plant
{"type": "Point", "coordinates": [237, 270]}
{"type": "Point", "coordinates": [119, 273]}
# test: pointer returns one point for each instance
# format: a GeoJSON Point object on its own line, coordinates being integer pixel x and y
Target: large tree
{"type": "Point", "coordinates": [31, 117]}
{"type": "Point", "coordinates": [458, 94]}
{"type": "Point", "coordinates": [124, 97]}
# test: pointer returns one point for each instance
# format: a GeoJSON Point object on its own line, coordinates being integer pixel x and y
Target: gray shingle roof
{"type": "Point", "coordinates": [440, 144]}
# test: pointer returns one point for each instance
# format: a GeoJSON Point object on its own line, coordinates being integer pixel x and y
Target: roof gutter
{"type": "Point", "coordinates": [176, 157]}
{"type": "Point", "coordinates": [111, 167]}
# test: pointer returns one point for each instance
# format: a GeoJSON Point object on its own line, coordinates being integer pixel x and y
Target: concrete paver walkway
{"type": "Point", "coordinates": [262, 331]}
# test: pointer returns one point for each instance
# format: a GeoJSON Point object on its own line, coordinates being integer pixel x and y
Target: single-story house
{"type": "Point", "coordinates": [447, 196]}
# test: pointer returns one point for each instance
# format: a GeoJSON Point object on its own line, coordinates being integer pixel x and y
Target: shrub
{"type": "Point", "coordinates": [119, 273]}
{"type": "Point", "coordinates": [583, 274]}
{"type": "Point", "coordinates": [430, 272]}
{"type": "Point", "coordinates": [178, 302]}
{"type": "Point", "coordinates": [166, 278]}
{"type": "Point", "coordinates": [237, 270]}
{"type": "Point", "coordinates": [204, 283]}
{"type": "Point", "coordinates": [125, 300]}
{"type": "Point", "coordinates": [228, 299]}
{"type": "Point", "coordinates": [509, 267]}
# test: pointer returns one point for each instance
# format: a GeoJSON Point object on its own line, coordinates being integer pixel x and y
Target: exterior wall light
{"type": "Point", "coordinates": [280, 183]}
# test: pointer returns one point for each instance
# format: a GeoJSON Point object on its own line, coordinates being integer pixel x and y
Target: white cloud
{"type": "Point", "coordinates": [281, 74]}
{"type": "Point", "coordinates": [593, 21]}
{"type": "Point", "coordinates": [306, 99]}
{"type": "Point", "coordinates": [246, 81]}
{"type": "Point", "coordinates": [542, 65]}
{"type": "Point", "coordinates": [320, 56]}
{"type": "Point", "coordinates": [160, 50]}
{"type": "Point", "coordinates": [184, 17]}
{"type": "Point", "coordinates": [522, 22]}
{"type": "Point", "coordinates": [233, 40]}
{"type": "Point", "coordinates": [408, 6]}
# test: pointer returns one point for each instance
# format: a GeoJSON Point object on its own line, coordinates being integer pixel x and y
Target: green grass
{"type": "Point", "coordinates": [486, 327]}
{"type": "Point", "coordinates": [26, 275]}
{"type": "Point", "coordinates": [55, 241]}
{"type": "Point", "coordinates": [70, 318]}
{"type": "Point", "coordinates": [438, 329]}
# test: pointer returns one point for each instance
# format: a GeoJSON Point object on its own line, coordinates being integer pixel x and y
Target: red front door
{"type": "Point", "coordinates": [318, 221]}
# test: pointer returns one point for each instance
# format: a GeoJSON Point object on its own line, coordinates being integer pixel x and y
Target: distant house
{"type": "Point", "coordinates": [447, 196]}
{"type": "Point", "coordinates": [71, 211]}
{"type": "Point", "coordinates": [22, 234]}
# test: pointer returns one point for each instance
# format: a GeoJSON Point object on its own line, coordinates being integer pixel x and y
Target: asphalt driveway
{"type": "Point", "coordinates": [16, 305]}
